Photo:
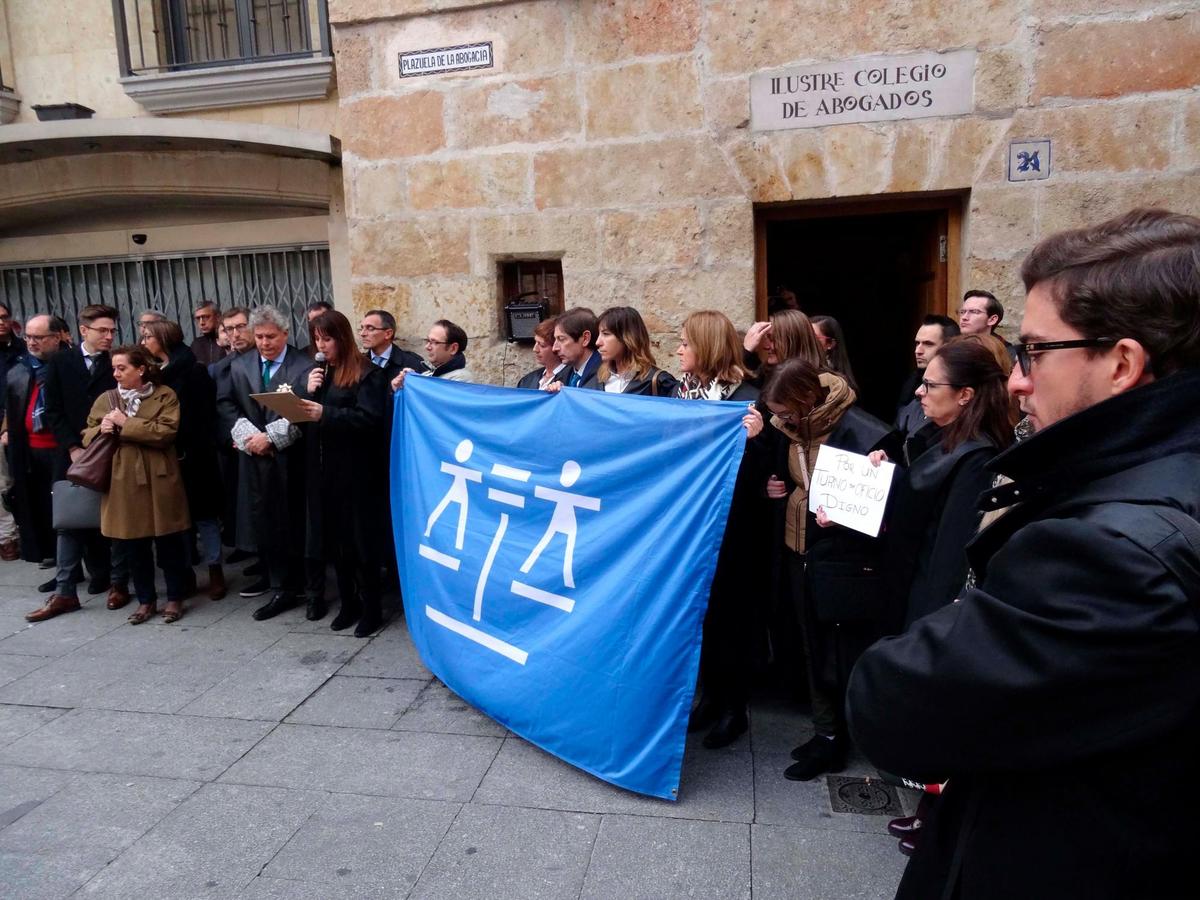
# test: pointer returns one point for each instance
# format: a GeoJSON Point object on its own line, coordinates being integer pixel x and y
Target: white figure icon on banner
{"type": "Point", "coordinates": [457, 494]}
{"type": "Point", "coordinates": [562, 521]}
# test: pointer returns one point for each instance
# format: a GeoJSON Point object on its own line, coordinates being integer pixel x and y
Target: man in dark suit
{"type": "Point", "coordinates": [75, 378]}
{"type": "Point", "coordinates": [206, 348]}
{"type": "Point", "coordinates": [271, 456]}
{"type": "Point", "coordinates": [236, 531]}
{"type": "Point", "coordinates": [377, 332]}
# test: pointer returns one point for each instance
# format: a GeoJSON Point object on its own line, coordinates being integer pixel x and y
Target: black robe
{"type": "Point", "coordinates": [346, 462]}
{"type": "Point", "coordinates": [31, 498]}
{"type": "Point", "coordinates": [196, 443]}
{"type": "Point", "coordinates": [271, 487]}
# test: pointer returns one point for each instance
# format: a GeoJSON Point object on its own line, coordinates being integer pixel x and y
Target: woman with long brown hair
{"type": "Point", "coordinates": [346, 456]}
{"type": "Point", "coordinates": [833, 575]}
{"type": "Point", "coordinates": [788, 334]}
{"type": "Point", "coordinates": [710, 358]}
{"type": "Point", "coordinates": [627, 364]}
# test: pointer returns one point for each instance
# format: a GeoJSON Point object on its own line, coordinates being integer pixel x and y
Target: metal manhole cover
{"type": "Point", "coordinates": [864, 796]}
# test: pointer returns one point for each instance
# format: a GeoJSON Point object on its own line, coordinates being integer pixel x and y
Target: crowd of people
{"type": "Point", "coordinates": [200, 465]}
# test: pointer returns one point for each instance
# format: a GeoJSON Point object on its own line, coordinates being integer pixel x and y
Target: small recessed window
{"type": "Point", "coordinates": [530, 291]}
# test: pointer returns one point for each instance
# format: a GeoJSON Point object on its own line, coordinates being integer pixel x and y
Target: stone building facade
{"type": "Point", "coordinates": [619, 138]}
{"type": "Point", "coordinates": [206, 168]}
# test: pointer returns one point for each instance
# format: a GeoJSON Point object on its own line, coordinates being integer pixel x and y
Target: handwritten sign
{"type": "Point", "coordinates": [446, 59]}
{"type": "Point", "coordinates": [852, 491]}
{"type": "Point", "coordinates": [914, 86]}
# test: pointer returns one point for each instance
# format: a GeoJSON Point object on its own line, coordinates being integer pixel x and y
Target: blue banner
{"type": "Point", "coordinates": [556, 553]}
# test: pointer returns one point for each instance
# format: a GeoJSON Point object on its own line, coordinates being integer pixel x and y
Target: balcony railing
{"type": "Point", "coordinates": [159, 36]}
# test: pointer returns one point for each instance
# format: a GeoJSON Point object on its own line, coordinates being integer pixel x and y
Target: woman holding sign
{"type": "Point", "coordinates": [835, 574]}
{"type": "Point", "coordinates": [709, 357]}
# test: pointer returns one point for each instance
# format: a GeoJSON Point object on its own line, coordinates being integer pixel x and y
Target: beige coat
{"type": "Point", "coordinates": [146, 498]}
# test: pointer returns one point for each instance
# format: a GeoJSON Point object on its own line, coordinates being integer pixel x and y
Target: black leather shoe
{"type": "Point", "coordinates": [904, 827]}
{"type": "Point", "coordinates": [908, 846]}
{"type": "Point", "coordinates": [315, 609]}
{"type": "Point", "coordinates": [346, 617]}
{"type": "Point", "coordinates": [254, 570]}
{"type": "Point", "coordinates": [368, 624]}
{"type": "Point", "coordinates": [281, 602]}
{"type": "Point", "coordinates": [730, 726]}
{"type": "Point", "coordinates": [47, 587]}
{"type": "Point", "coordinates": [99, 585]}
{"type": "Point", "coordinates": [704, 715]}
{"type": "Point", "coordinates": [818, 756]}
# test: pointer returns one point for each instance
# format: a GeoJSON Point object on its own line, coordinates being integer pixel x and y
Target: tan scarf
{"type": "Point", "coordinates": [807, 436]}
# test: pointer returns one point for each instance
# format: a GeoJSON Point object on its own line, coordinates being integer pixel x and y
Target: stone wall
{"type": "Point", "coordinates": [615, 134]}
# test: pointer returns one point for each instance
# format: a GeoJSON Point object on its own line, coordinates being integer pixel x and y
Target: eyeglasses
{"type": "Point", "coordinates": [1023, 351]}
{"type": "Point", "coordinates": [228, 328]}
{"type": "Point", "coordinates": [443, 343]}
{"type": "Point", "coordinates": [112, 331]}
{"type": "Point", "coordinates": [4, 317]}
{"type": "Point", "coordinates": [927, 384]}
{"type": "Point", "coordinates": [972, 312]}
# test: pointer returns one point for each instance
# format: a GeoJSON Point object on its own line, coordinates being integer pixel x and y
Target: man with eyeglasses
{"type": "Point", "coordinates": [236, 529]}
{"type": "Point", "coordinates": [30, 442]}
{"type": "Point", "coordinates": [75, 378]}
{"type": "Point", "coordinates": [12, 351]}
{"type": "Point", "coordinates": [445, 348]}
{"type": "Point", "coordinates": [1059, 698]}
{"type": "Point", "coordinates": [377, 334]}
{"type": "Point", "coordinates": [206, 347]}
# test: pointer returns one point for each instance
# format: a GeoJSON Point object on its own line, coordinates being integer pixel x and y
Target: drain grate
{"type": "Point", "coordinates": [863, 796]}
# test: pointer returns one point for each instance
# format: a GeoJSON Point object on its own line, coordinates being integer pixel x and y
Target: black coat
{"type": "Point", "coordinates": [933, 514]}
{"type": "Point", "coordinates": [346, 462]}
{"type": "Point", "coordinates": [657, 383]}
{"type": "Point", "coordinates": [531, 380]}
{"type": "Point", "coordinates": [11, 355]}
{"type": "Point", "coordinates": [70, 392]}
{"type": "Point", "coordinates": [271, 487]}
{"type": "Point", "coordinates": [196, 443]}
{"type": "Point", "coordinates": [17, 392]}
{"type": "Point", "coordinates": [1060, 696]}
{"type": "Point", "coordinates": [399, 361]}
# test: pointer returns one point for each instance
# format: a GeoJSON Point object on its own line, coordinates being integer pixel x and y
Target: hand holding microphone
{"type": "Point", "coordinates": [316, 377]}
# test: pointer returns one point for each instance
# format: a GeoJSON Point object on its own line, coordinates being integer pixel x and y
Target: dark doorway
{"type": "Point", "coordinates": [878, 267]}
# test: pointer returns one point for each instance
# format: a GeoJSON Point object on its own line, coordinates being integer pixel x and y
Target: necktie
{"type": "Point", "coordinates": [379, 361]}
{"type": "Point", "coordinates": [91, 360]}
{"type": "Point", "coordinates": [266, 372]}
{"type": "Point", "coordinates": [573, 381]}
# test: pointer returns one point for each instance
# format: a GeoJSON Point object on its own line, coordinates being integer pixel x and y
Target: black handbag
{"type": "Point", "coordinates": [93, 467]}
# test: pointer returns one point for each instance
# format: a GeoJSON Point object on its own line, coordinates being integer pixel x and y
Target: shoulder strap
{"type": "Point", "coordinates": [1185, 566]}
{"type": "Point", "coordinates": [653, 381]}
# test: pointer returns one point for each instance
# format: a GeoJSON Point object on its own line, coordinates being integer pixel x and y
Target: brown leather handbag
{"type": "Point", "coordinates": [93, 467]}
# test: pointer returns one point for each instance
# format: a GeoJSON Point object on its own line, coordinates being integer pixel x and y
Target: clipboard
{"type": "Point", "coordinates": [285, 403]}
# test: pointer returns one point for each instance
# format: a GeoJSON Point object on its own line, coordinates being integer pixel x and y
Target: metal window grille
{"type": "Point", "coordinates": [288, 278]}
{"type": "Point", "coordinates": [170, 35]}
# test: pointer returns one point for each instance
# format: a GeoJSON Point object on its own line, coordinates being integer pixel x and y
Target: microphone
{"type": "Point", "coordinates": [319, 359]}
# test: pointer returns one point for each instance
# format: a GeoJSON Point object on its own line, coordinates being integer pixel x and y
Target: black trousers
{"type": "Point", "coordinates": [171, 550]}
{"type": "Point", "coordinates": [38, 517]}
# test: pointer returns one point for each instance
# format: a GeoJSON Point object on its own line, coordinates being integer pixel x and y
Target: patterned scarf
{"type": "Point", "coordinates": [131, 399]}
{"type": "Point", "coordinates": [807, 436]}
{"type": "Point", "coordinates": [691, 388]}
{"type": "Point", "coordinates": [38, 369]}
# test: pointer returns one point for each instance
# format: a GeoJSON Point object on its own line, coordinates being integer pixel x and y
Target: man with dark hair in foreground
{"type": "Point", "coordinates": [1060, 697]}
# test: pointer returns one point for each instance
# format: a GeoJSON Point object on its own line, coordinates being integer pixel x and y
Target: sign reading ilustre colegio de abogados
{"type": "Point", "coordinates": [913, 86]}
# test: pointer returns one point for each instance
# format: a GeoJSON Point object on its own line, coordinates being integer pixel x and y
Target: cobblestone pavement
{"type": "Point", "coordinates": [223, 757]}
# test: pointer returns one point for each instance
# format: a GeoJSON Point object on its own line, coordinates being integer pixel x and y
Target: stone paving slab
{"type": "Point", "coordinates": [61, 634]}
{"type": "Point", "coordinates": [212, 845]}
{"type": "Point", "coordinates": [13, 666]}
{"type": "Point", "coordinates": [363, 761]}
{"type": "Point", "coordinates": [438, 709]}
{"type": "Point", "coordinates": [355, 702]}
{"type": "Point", "coordinates": [279, 679]}
{"type": "Point", "coordinates": [716, 785]}
{"type": "Point", "coordinates": [641, 857]}
{"type": "Point", "coordinates": [372, 843]}
{"type": "Point", "coordinates": [18, 721]}
{"type": "Point", "coordinates": [390, 655]}
{"type": "Point", "coordinates": [93, 740]}
{"type": "Point", "coordinates": [502, 853]}
{"type": "Point", "coordinates": [813, 864]}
